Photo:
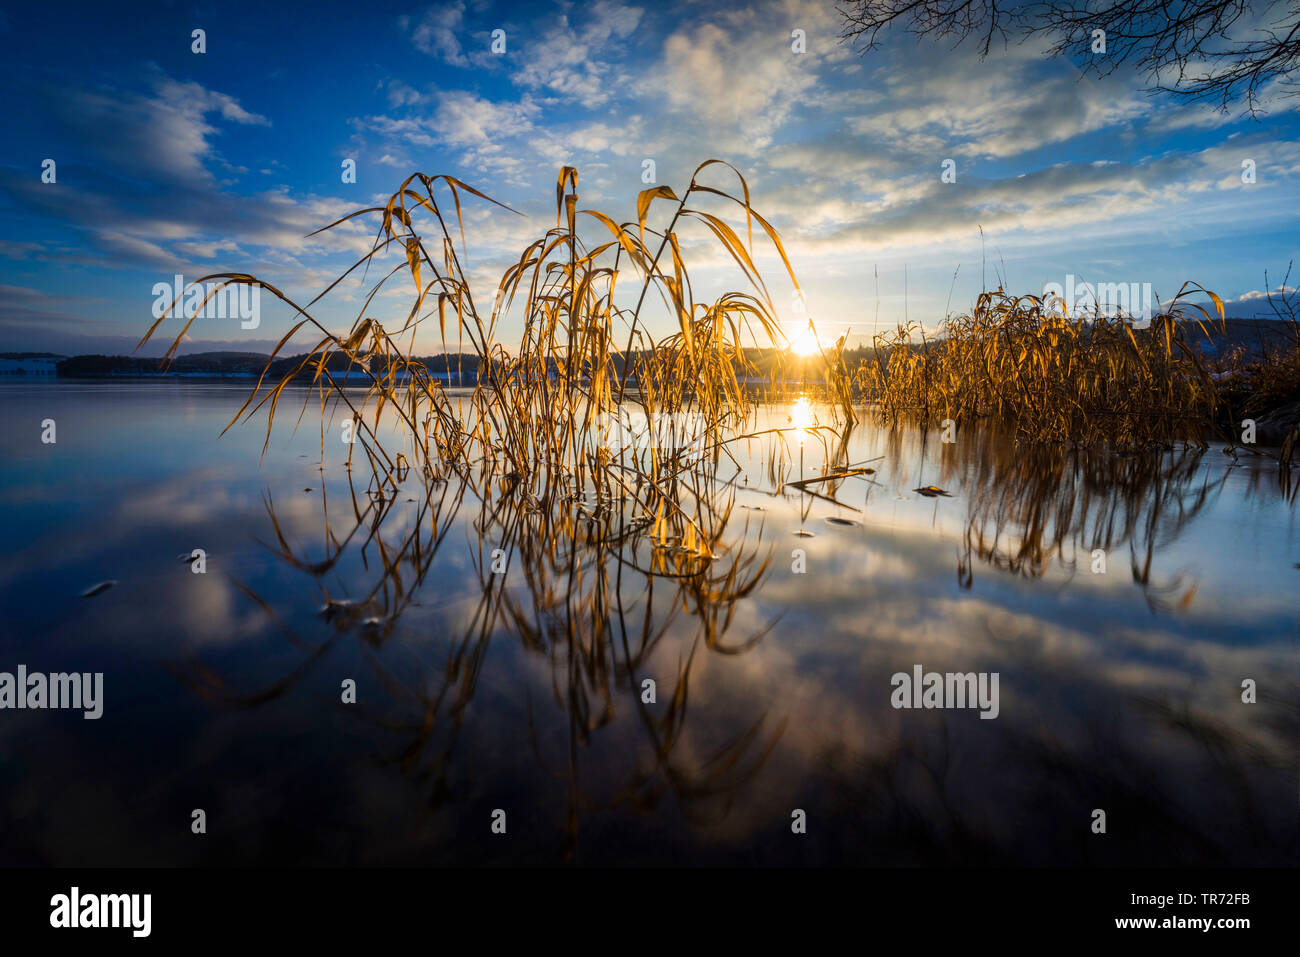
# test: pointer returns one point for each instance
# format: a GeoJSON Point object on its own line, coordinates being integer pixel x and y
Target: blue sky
{"type": "Point", "coordinates": [174, 162]}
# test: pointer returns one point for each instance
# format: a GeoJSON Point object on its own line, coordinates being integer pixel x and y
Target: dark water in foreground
{"type": "Point", "coordinates": [1118, 691]}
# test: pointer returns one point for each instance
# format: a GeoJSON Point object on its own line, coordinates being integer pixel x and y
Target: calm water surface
{"type": "Point", "coordinates": [1118, 691]}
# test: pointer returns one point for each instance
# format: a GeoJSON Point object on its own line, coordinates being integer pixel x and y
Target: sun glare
{"type": "Point", "coordinates": [801, 416]}
{"type": "Point", "coordinates": [805, 344]}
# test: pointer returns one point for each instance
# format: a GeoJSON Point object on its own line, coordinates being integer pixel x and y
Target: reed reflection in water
{"type": "Point", "coordinates": [525, 690]}
{"type": "Point", "coordinates": [730, 687]}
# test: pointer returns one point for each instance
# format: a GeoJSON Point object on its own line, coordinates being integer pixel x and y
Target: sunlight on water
{"type": "Point", "coordinates": [802, 418]}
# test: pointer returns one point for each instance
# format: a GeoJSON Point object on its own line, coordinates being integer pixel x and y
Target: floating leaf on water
{"type": "Point", "coordinates": [932, 491]}
{"type": "Point", "coordinates": [94, 590]}
{"type": "Point", "coordinates": [843, 522]}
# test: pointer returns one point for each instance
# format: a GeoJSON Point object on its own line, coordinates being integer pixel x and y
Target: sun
{"type": "Point", "coordinates": [805, 343]}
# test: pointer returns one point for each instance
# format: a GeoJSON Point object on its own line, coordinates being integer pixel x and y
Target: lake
{"type": "Point", "coordinates": [521, 699]}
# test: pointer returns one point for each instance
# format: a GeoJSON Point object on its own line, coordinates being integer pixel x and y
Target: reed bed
{"type": "Point", "coordinates": [1264, 384]}
{"type": "Point", "coordinates": [535, 418]}
{"type": "Point", "coordinates": [1055, 378]}
{"type": "Point", "coordinates": [588, 350]}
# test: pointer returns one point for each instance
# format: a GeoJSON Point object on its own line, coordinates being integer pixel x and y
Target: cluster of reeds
{"type": "Point", "coordinates": [1264, 383]}
{"type": "Point", "coordinates": [1054, 377]}
{"type": "Point", "coordinates": [534, 419]}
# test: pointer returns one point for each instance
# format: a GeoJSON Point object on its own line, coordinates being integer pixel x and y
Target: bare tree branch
{"type": "Point", "coordinates": [1218, 50]}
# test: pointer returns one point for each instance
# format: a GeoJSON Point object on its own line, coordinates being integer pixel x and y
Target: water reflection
{"type": "Point", "coordinates": [1084, 508]}
{"type": "Point", "coordinates": [600, 599]}
{"type": "Point", "coordinates": [501, 637]}
{"type": "Point", "coordinates": [573, 581]}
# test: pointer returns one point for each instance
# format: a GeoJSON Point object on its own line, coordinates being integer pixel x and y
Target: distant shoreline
{"type": "Point", "coordinates": [1249, 333]}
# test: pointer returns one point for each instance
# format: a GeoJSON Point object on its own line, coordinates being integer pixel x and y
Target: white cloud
{"type": "Point", "coordinates": [167, 134]}
{"type": "Point", "coordinates": [953, 103]}
{"type": "Point", "coordinates": [438, 32]}
{"type": "Point", "coordinates": [574, 62]}
{"type": "Point", "coordinates": [1256, 294]}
